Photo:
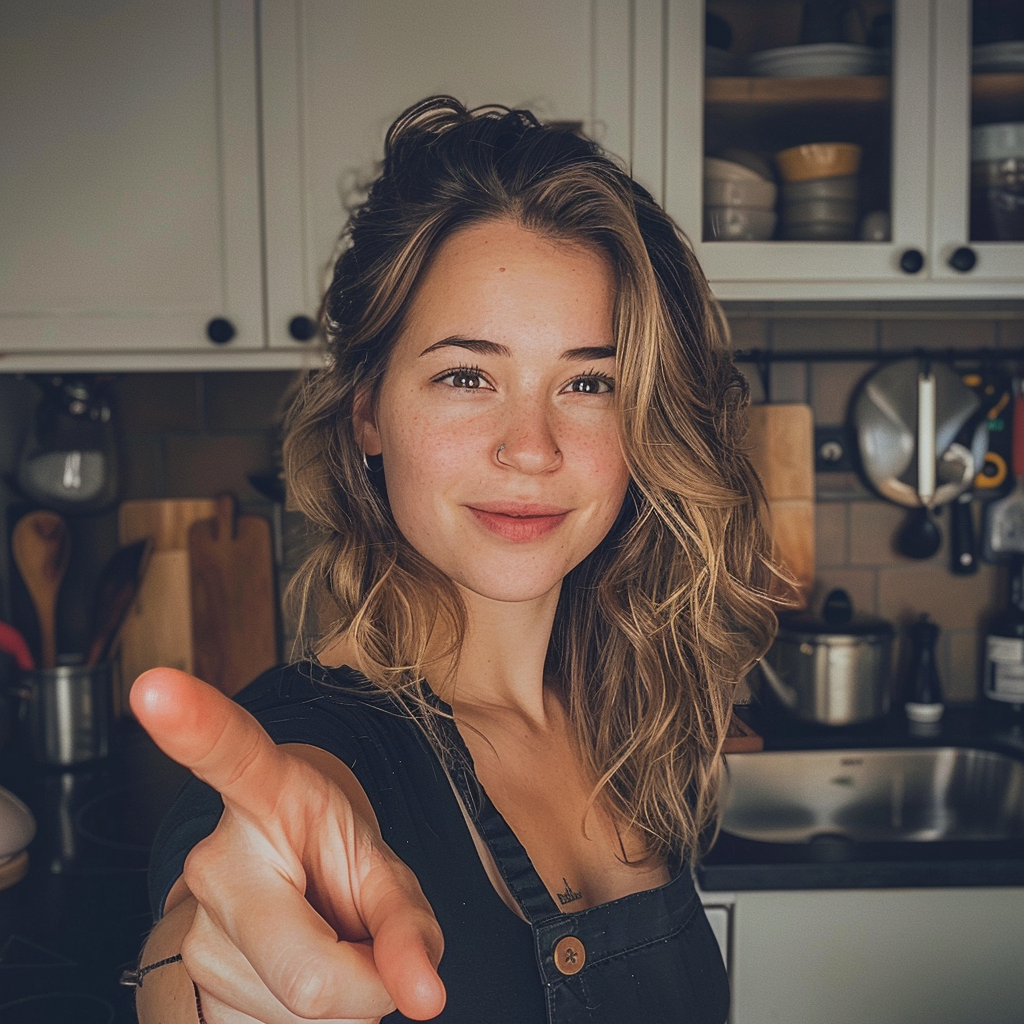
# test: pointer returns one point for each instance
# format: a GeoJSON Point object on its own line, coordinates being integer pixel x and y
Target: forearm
{"type": "Point", "coordinates": [165, 995]}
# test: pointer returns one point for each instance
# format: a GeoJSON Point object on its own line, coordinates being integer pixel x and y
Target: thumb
{"type": "Point", "coordinates": [208, 733]}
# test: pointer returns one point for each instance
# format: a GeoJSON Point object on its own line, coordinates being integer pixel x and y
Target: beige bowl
{"type": "Point", "coordinates": [818, 160]}
{"type": "Point", "coordinates": [738, 224]}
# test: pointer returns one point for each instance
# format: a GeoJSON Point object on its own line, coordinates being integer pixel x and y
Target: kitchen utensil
{"type": "Point", "coordinates": [781, 443]}
{"type": "Point", "coordinates": [833, 668]}
{"type": "Point", "coordinates": [919, 537]}
{"type": "Point", "coordinates": [832, 60]}
{"type": "Point", "coordinates": [68, 461]}
{"type": "Point", "coordinates": [887, 415]}
{"type": "Point", "coordinates": [66, 713]}
{"type": "Point", "coordinates": [13, 643]}
{"type": "Point", "coordinates": [1004, 522]}
{"type": "Point", "coordinates": [42, 548]}
{"type": "Point", "coordinates": [234, 622]}
{"type": "Point", "coordinates": [17, 829]}
{"type": "Point", "coordinates": [158, 629]}
{"type": "Point", "coordinates": [119, 583]}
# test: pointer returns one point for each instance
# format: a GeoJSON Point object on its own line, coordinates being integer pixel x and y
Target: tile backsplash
{"type": "Point", "coordinates": [198, 434]}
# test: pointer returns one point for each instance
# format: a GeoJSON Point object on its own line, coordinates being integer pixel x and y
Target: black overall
{"type": "Point", "coordinates": [644, 959]}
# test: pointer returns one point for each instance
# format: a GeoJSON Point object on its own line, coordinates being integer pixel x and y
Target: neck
{"type": "Point", "coordinates": [501, 665]}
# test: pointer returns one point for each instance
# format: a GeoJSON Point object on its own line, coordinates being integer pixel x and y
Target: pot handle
{"type": "Point", "coordinates": [785, 693]}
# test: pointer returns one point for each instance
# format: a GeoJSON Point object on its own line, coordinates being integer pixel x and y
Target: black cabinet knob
{"type": "Point", "coordinates": [912, 261]}
{"type": "Point", "coordinates": [220, 331]}
{"type": "Point", "coordinates": [963, 259]}
{"type": "Point", "coordinates": [301, 328]}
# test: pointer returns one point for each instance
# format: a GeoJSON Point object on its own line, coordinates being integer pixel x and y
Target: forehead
{"type": "Point", "coordinates": [499, 265]}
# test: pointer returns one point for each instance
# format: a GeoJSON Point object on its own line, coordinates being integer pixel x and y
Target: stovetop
{"type": "Point", "coordinates": [79, 916]}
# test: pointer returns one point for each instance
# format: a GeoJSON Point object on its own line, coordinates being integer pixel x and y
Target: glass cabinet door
{"type": "Point", "coordinates": [783, 81]}
{"type": "Point", "coordinates": [978, 146]}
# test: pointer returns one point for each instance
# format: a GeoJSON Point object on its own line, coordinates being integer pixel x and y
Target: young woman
{"type": "Point", "coordinates": [541, 570]}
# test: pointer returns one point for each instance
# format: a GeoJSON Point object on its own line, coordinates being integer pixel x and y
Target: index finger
{"type": "Point", "coordinates": [208, 733]}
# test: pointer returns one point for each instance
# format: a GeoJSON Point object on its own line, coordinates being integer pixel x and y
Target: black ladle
{"type": "Point", "coordinates": [919, 536]}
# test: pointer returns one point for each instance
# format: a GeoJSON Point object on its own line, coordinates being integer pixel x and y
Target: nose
{"type": "Point", "coordinates": [527, 443]}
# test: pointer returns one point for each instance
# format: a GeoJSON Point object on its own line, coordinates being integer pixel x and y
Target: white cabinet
{"type": "Point", "coordinates": [914, 124]}
{"type": "Point", "coordinates": [335, 75]}
{"type": "Point", "coordinates": [885, 956]}
{"type": "Point", "coordinates": [129, 187]}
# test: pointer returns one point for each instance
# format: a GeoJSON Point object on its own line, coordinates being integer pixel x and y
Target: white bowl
{"type": "Point", "coordinates": [1003, 141]}
{"type": "Point", "coordinates": [818, 59]}
{"type": "Point", "coordinates": [716, 169]}
{"type": "Point", "coordinates": [738, 224]}
{"type": "Point", "coordinates": [740, 192]}
{"type": "Point", "coordinates": [994, 58]}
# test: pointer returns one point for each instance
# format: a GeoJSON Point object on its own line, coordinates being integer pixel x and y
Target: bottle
{"type": "Point", "coordinates": [923, 693]}
{"type": "Point", "coordinates": [1002, 684]}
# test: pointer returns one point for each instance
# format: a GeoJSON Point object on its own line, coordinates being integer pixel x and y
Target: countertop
{"type": "Point", "coordinates": [80, 915]}
{"type": "Point", "coordinates": [735, 864]}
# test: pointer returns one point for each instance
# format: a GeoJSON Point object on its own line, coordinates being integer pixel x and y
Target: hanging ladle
{"type": "Point", "coordinates": [920, 536]}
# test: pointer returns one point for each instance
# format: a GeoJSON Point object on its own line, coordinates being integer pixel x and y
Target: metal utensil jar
{"type": "Point", "coordinates": [834, 669]}
{"type": "Point", "coordinates": [66, 713]}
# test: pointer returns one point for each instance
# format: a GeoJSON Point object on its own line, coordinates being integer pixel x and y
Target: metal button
{"type": "Point", "coordinates": [570, 955]}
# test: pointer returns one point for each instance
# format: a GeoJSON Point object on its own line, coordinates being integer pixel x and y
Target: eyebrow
{"type": "Point", "coordinates": [491, 348]}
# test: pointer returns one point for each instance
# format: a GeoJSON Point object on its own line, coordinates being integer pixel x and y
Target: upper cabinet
{"type": "Point", "coordinates": [335, 75]}
{"type": "Point", "coordinates": [129, 167]}
{"type": "Point", "coordinates": [903, 82]}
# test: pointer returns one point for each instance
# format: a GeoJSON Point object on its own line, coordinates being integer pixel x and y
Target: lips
{"type": "Point", "coordinates": [519, 523]}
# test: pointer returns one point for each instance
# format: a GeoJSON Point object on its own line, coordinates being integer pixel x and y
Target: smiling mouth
{"type": "Point", "coordinates": [519, 525]}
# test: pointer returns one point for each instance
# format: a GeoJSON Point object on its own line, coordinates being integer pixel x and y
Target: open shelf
{"type": "Point", "coordinates": [997, 97]}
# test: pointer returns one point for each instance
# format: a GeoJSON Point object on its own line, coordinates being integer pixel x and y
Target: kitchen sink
{"type": "Point", "coordinates": [866, 795]}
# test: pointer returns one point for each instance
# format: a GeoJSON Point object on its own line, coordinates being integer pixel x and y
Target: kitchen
{"type": "Point", "coordinates": [89, 293]}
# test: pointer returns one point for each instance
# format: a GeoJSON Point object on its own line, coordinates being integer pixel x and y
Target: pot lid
{"type": "Point", "coordinates": [837, 618]}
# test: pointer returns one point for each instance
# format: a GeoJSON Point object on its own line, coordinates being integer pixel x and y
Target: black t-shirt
{"type": "Point", "coordinates": [649, 957]}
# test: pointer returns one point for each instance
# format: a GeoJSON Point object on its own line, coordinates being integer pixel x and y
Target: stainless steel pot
{"type": "Point", "coordinates": [832, 669]}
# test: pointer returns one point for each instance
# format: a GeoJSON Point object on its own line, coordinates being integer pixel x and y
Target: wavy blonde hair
{"type": "Point", "coordinates": [658, 623]}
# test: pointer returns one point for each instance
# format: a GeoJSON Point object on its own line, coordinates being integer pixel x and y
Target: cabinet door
{"type": "Point", "coordinates": [337, 72]}
{"type": "Point", "coordinates": [967, 253]}
{"type": "Point", "coordinates": [129, 176]}
{"type": "Point", "coordinates": [887, 114]}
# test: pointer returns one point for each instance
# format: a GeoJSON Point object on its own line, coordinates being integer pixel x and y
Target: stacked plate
{"type": "Point", "coordinates": [739, 202]}
{"type": "Point", "coordinates": [819, 191]}
{"type": "Point", "coordinates": [998, 58]}
{"type": "Point", "coordinates": [819, 60]}
{"type": "Point", "coordinates": [997, 182]}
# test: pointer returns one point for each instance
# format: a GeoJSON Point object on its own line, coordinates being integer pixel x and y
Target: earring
{"type": "Point", "coordinates": [366, 463]}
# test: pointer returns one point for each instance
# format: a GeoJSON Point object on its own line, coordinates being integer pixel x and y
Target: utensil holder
{"type": "Point", "coordinates": [66, 713]}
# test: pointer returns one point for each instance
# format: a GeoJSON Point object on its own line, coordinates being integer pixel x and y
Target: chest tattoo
{"type": "Point", "coordinates": [568, 895]}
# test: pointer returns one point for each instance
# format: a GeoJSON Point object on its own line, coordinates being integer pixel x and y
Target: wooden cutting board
{"type": "Point", "coordinates": [234, 621]}
{"type": "Point", "coordinates": [781, 440]}
{"type": "Point", "coordinates": [158, 629]}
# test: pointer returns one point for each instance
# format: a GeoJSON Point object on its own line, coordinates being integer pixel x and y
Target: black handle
{"type": "Point", "coordinates": [302, 328]}
{"type": "Point", "coordinates": [963, 545]}
{"type": "Point", "coordinates": [963, 259]}
{"type": "Point", "coordinates": [912, 261]}
{"type": "Point", "coordinates": [220, 331]}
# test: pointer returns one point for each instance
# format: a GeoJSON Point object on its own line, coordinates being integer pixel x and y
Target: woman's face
{"type": "Point", "coordinates": [508, 344]}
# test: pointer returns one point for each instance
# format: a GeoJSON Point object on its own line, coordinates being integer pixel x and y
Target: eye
{"type": "Point", "coordinates": [591, 384]}
{"type": "Point", "coordinates": [466, 378]}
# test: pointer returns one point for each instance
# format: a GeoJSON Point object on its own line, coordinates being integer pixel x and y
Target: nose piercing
{"type": "Point", "coordinates": [497, 454]}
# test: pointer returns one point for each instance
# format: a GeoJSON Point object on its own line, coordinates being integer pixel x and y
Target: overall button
{"type": "Point", "coordinates": [570, 956]}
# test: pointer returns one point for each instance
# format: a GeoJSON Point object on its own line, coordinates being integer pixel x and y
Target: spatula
{"type": "Point", "coordinates": [42, 549]}
{"type": "Point", "coordinates": [119, 583]}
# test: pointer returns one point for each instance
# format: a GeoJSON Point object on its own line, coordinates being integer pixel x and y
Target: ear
{"type": "Point", "coordinates": [364, 422]}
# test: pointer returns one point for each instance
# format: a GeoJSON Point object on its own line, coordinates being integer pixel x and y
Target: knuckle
{"type": "Point", "coordinates": [306, 993]}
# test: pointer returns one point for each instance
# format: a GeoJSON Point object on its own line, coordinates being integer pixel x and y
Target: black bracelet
{"type": "Point", "coordinates": [134, 978]}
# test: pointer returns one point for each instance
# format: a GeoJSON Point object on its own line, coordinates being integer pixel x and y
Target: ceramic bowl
{"type": "Point", "coordinates": [716, 169]}
{"type": "Point", "coordinates": [818, 160]}
{"type": "Point", "coordinates": [844, 187]}
{"type": "Point", "coordinates": [997, 141]}
{"type": "Point", "coordinates": [738, 224]}
{"type": "Point", "coordinates": [759, 194]}
{"type": "Point", "coordinates": [833, 210]}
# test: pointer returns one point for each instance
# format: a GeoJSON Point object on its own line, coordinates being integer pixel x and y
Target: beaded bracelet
{"type": "Point", "coordinates": [133, 978]}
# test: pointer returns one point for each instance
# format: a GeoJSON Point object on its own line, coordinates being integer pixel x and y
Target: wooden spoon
{"type": "Point", "coordinates": [42, 548]}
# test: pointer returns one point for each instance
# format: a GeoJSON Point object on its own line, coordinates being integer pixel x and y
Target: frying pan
{"type": "Point", "coordinates": [889, 435]}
